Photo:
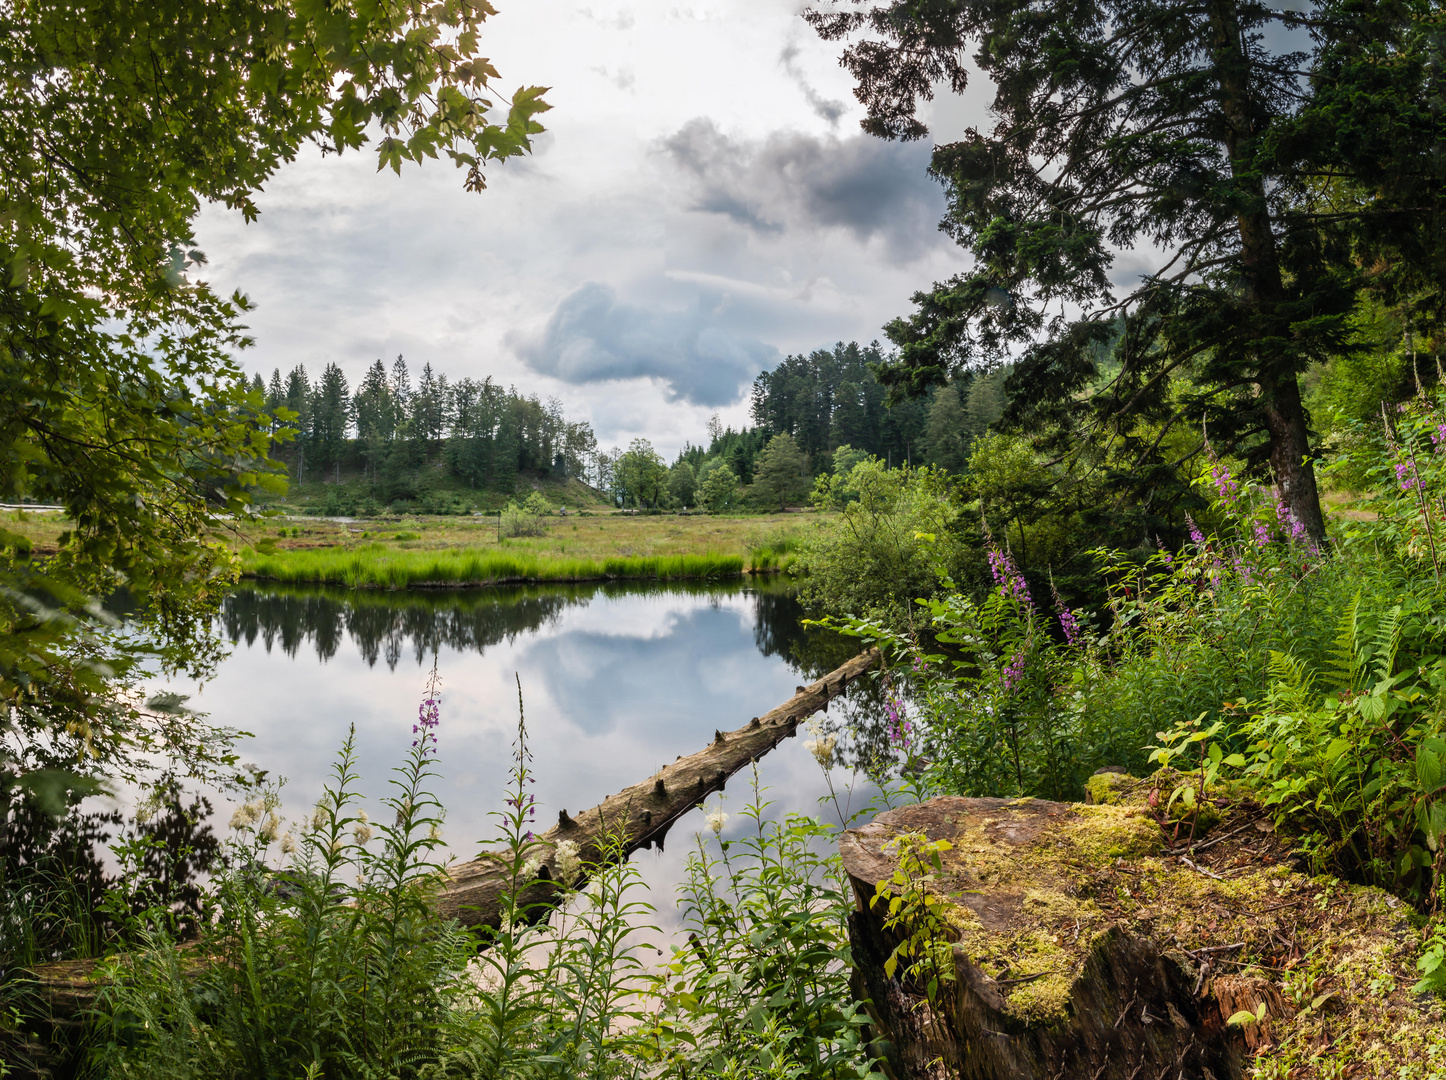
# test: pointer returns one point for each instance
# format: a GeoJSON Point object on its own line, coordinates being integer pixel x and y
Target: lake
{"type": "Point", "coordinates": [616, 680]}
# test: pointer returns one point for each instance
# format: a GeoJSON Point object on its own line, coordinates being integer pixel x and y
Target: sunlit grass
{"type": "Point", "coordinates": [379, 566]}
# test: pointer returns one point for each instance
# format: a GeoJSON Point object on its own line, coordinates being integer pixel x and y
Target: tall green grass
{"type": "Point", "coordinates": [378, 567]}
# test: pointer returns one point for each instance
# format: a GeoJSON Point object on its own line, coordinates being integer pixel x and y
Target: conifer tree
{"type": "Point", "coordinates": [330, 417]}
{"type": "Point", "coordinates": [1204, 137]}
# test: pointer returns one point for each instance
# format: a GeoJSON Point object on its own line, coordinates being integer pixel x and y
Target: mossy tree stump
{"type": "Point", "coordinates": [1082, 946]}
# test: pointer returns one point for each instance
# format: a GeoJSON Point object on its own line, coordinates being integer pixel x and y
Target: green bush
{"type": "Point", "coordinates": [895, 533]}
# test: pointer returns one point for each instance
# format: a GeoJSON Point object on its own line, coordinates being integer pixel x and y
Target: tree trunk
{"type": "Point", "coordinates": [1290, 458]}
{"type": "Point", "coordinates": [1070, 942]}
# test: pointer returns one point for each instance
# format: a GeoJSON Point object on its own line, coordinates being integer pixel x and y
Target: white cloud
{"type": "Point", "coordinates": [347, 264]}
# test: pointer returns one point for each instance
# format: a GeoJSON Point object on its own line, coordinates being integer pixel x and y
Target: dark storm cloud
{"type": "Point", "coordinates": [829, 109]}
{"type": "Point", "coordinates": [594, 337]}
{"type": "Point", "coordinates": [868, 186]}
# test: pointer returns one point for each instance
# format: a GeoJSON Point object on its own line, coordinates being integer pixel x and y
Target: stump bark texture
{"type": "Point", "coordinates": [1080, 944]}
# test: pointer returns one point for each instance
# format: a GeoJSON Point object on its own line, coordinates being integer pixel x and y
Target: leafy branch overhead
{"type": "Point", "coordinates": [120, 394]}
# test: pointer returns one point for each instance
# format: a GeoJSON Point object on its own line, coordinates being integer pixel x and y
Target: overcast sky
{"type": "Point", "coordinates": [702, 204]}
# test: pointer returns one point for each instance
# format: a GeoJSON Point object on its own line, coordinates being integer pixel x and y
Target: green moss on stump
{"type": "Point", "coordinates": [1038, 892]}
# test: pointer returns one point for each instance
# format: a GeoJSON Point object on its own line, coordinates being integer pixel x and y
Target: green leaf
{"type": "Point", "coordinates": [1428, 769]}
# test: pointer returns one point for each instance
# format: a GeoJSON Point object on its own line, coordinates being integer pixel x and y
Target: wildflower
{"type": "Point", "coordinates": [435, 832]}
{"type": "Point", "coordinates": [1014, 671]}
{"type": "Point", "coordinates": [530, 868]}
{"type": "Point", "coordinates": [1292, 526]}
{"type": "Point", "coordinates": [567, 863]}
{"type": "Point", "coordinates": [1068, 621]}
{"type": "Point", "coordinates": [1438, 437]}
{"type": "Point", "coordinates": [1262, 533]}
{"type": "Point", "coordinates": [336, 845]}
{"type": "Point", "coordinates": [715, 820]}
{"type": "Point", "coordinates": [288, 844]}
{"type": "Point", "coordinates": [1224, 483]}
{"type": "Point", "coordinates": [362, 832]}
{"type": "Point", "coordinates": [319, 818]}
{"type": "Point", "coordinates": [247, 814]}
{"type": "Point", "coordinates": [822, 749]}
{"type": "Point", "coordinates": [1007, 577]}
{"type": "Point", "coordinates": [1196, 536]}
{"type": "Point", "coordinates": [899, 728]}
{"type": "Point", "coordinates": [1406, 476]}
{"type": "Point", "coordinates": [271, 829]}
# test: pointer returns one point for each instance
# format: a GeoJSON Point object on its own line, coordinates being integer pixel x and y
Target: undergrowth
{"type": "Point", "coordinates": [320, 954]}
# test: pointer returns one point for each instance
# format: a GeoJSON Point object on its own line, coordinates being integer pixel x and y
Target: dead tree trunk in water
{"type": "Point", "coordinates": [641, 815]}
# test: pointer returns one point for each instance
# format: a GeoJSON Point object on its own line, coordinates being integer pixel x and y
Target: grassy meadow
{"type": "Point", "coordinates": [451, 551]}
{"type": "Point", "coordinates": [414, 551]}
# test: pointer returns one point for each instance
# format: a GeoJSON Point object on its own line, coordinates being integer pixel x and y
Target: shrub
{"type": "Point", "coordinates": [895, 532]}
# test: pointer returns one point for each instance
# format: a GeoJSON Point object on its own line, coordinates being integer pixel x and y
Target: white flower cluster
{"type": "Point", "coordinates": [362, 830]}
{"type": "Point", "coordinates": [821, 745]}
{"type": "Point", "coordinates": [247, 814]}
{"type": "Point", "coordinates": [567, 862]}
{"type": "Point", "coordinates": [715, 820]}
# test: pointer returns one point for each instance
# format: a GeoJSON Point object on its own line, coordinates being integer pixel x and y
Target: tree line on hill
{"type": "Point", "coordinates": [814, 415]}
{"type": "Point", "coordinates": [389, 430]}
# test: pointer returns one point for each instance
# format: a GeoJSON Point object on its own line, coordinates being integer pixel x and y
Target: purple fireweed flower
{"type": "Point", "coordinates": [1224, 483]}
{"type": "Point", "coordinates": [1406, 476]}
{"type": "Point", "coordinates": [429, 716]}
{"type": "Point", "coordinates": [1196, 536]}
{"type": "Point", "coordinates": [1007, 577]}
{"type": "Point", "coordinates": [1242, 568]}
{"type": "Point", "coordinates": [1290, 525]}
{"type": "Point", "coordinates": [1438, 437]}
{"type": "Point", "coordinates": [1068, 621]}
{"type": "Point", "coordinates": [1262, 533]}
{"type": "Point", "coordinates": [900, 730]}
{"type": "Point", "coordinates": [1013, 671]}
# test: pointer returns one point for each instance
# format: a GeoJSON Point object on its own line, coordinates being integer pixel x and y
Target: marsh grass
{"type": "Point", "coordinates": [377, 566]}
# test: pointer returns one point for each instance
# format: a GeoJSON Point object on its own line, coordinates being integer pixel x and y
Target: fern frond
{"type": "Point", "coordinates": [1387, 643]}
{"type": "Point", "coordinates": [1343, 658]}
{"type": "Point", "coordinates": [1294, 679]}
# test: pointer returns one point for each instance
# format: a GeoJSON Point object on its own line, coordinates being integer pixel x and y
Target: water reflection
{"type": "Point", "coordinates": [387, 626]}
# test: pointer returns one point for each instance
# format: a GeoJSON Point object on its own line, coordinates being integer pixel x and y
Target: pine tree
{"type": "Point", "coordinates": [401, 387]}
{"type": "Point", "coordinates": [947, 437]}
{"type": "Point", "coordinates": [1154, 126]}
{"type": "Point", "coordinates": [330, 417]}
{"type": "Point", "coordinates": [782, 477]}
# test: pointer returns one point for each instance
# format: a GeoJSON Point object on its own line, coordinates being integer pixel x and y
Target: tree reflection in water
{"type": "Point", "coordinates": [391, 625]}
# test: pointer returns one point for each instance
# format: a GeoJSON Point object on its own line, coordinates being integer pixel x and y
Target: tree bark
{"type": "Point", "coordinates": [1290, 457]}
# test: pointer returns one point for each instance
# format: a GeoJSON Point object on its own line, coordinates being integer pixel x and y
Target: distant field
{"type": "Point", "coordinates": [392, 553]}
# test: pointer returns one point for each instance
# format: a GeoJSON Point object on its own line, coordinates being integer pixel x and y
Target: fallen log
{"type": "Point", "coordinates": [1074, 941]}
{"type": "Point", "coordinates": [641, 815]}
{"type": "Point", "coordinates": [638, 816]}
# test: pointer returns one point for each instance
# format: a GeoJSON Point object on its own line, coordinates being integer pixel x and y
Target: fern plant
{"type": "Point", "coordinates": [1351, 752]}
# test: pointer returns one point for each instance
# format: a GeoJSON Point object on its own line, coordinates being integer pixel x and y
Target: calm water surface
{"type": "Point", "coordinates": [616, 682]}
